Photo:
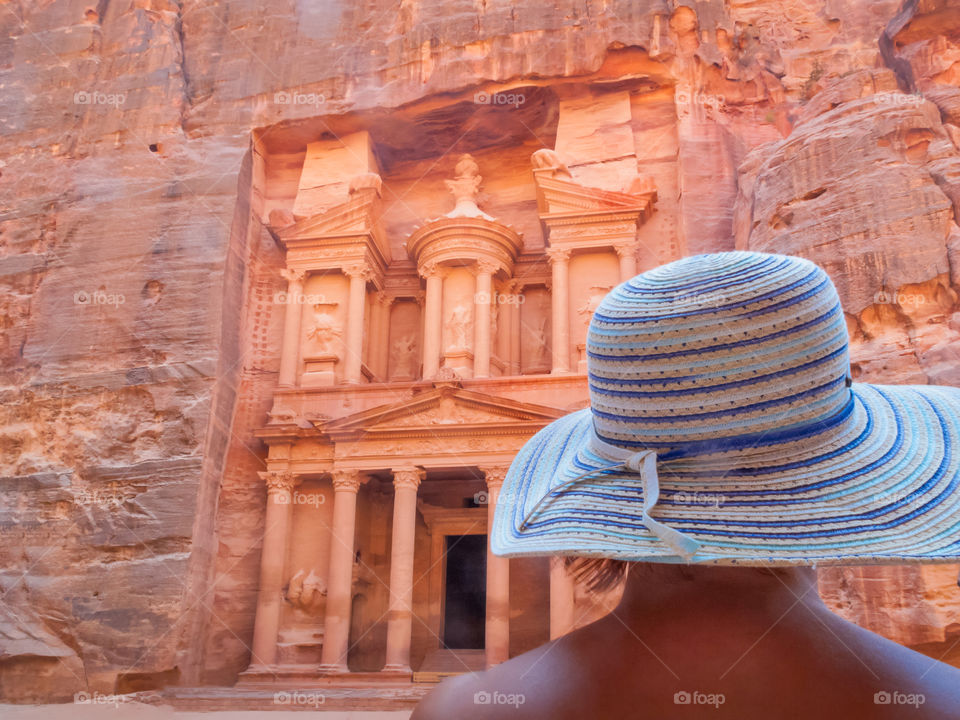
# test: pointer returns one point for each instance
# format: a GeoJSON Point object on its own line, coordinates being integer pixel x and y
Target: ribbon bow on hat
{"type": "Point", "coordinates": [644, 464]}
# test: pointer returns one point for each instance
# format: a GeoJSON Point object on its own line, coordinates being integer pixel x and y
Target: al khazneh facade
{"type": "Point", "coordinates": [415, 363]}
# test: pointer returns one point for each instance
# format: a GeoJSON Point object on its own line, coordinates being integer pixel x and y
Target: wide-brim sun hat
{"type": "Point", "coordinates": [724, 428]}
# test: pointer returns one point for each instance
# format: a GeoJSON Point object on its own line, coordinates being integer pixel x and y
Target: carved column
{"type": "Point", "coordinates": [561, 599]}
{"type": "Point", "coordinates": [481, 300]}
{"type": "Point", "coordinates": [498, 580]}
{"type": "Point", "coordinates": [513, 319]}
{"type": "Point", "coordinates": [355, 309]}
{"type": "Point", "coordinates": [290, 350]}
{"type": "Point", "coordinates": [400, 614]}
{"type": "Point", "coordinates": [627, 252]}
{"type": "Point", "coordinates": [560, 262]}
{"type": "Point", "coordinates": [433, 319]}
{"type": "Point", "coordinates": [272, 561]}
{"type": "Point", "coordinates": [346, 484]}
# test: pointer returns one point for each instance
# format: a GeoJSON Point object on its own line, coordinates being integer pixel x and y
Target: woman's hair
{"type": "Point", "coordinates": [597, 574]}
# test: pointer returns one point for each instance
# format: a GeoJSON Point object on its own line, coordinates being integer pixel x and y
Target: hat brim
{"type": "Point", "coordinates": [883, 489]}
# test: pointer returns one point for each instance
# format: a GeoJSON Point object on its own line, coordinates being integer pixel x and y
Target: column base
{"type": "Point", "coordinates": [395, 669]}
{"type": "Point", "coordinates": [332, 669]}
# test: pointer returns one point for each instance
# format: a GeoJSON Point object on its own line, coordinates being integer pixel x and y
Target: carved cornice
{"type": "Point", "coordinates": [408, 478]}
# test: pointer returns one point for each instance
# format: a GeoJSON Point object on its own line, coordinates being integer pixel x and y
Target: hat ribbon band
{"type": "Point", "coordinates": [644, 464]}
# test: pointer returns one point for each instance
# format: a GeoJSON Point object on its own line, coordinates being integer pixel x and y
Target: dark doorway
{"type": "Point", "coordinates": [465, 594]}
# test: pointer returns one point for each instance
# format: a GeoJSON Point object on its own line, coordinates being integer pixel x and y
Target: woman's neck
{"type": "Point", "coordinates": [683, 590]}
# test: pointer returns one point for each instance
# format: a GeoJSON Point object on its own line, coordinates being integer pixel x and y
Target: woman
{"type": "Point", "coordinates": [726, 451]}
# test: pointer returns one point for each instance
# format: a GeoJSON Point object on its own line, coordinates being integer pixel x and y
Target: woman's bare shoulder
{"type": "Point", "coordinates": [506, 690]}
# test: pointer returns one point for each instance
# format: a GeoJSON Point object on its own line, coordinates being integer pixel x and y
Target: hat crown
{"type": "Point", "coordinates": [716, 347]}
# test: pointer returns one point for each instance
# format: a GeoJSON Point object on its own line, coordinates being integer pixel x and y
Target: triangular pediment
{"type": "Point", "coordinates": [565, 197]}
{"type": "Point", "coordinates": [443, 409]}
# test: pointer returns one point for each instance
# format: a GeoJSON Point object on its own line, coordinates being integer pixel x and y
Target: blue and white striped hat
{"type": "Point", "coordinates": [724, 427]}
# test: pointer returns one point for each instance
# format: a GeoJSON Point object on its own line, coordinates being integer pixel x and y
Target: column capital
{"type": "Point", "coordinates": [385, 299]}
{"type": "Point", "coordinates": [558, 254]}
{"type": "Point", "coordinates": [352, 270]}
{"type": "Point", "coordinates": [486, 266]}
{"type": "Point", "coordinates": [494, 476]}
{"type": "Point", "coordinates": [346, 480]}
{"type": "Point", "coordinates": [293, 275]}
{"type": "Point", "coordinates": [625, 247]}
{"type": "Point", "coordinates": [431, 269]}
{"type": "Point", "coordinates": [278, 480]}
{"type": "Point", "coordinates": [407, 477]}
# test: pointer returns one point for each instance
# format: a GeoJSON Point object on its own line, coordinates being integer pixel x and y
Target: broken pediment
{"type": "Point", "coordinates": [559, 196]}
{"type": "Point", "coordinates": [358, 215]}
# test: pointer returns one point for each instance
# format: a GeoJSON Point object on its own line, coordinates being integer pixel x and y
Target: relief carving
{"type": "Point", "coordinates": [404, 356]}
{"type": "Point", "coordinates": [324, 330]}
{"type": "Point", "coordinates": [307, 592]}
{"type": "Point", "coordinates": [538, 341]}
{"type": "Point", "coordinates": [597, 293]}
{"type": "Point", "coordinates": [547, 159]}
{"type": "Point", "coordinates": [465, 187]}
{"type": "Point", "coordinates": [459, 323]}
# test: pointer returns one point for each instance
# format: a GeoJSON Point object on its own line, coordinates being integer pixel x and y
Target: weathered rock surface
{"type": "Point", "coordinates": [138, 349]}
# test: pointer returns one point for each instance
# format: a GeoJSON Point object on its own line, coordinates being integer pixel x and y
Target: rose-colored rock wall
{"type": "Point", "coordinates": [144, 143]}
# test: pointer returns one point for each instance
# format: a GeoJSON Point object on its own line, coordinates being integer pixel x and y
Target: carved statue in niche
{"type": "Point", "coordinates": [324, 329]}
{"type": "Point", "coordinates": [307, 592]}
{"type": "Point", "coordinates": [459, 325]}
{"type": "Point", "coordinates": [404, 353]}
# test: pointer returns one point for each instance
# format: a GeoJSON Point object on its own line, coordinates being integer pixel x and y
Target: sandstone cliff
{"type": "Point", "coordinates": [134, 258]}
